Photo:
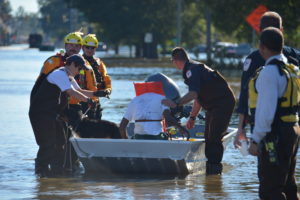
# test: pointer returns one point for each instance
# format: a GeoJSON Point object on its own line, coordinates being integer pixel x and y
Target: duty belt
{"type": "Point", "coordinates": [148, 120]}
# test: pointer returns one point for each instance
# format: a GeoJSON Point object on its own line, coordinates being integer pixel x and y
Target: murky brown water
{"type": "Point", "coordinates": [19, 69]}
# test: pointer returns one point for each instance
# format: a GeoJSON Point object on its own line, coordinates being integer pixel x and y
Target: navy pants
{"type": "Point", "coordinates": [277, 180]}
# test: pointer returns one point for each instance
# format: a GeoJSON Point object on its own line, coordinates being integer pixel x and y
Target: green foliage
{"type": "Point", "coordinates": [5, 16]}
{"type": "Point", "coordinates": [194, 30]}
{"type": "Point", "coordinates": [229, 16]}
{"type": "Point", "coordinates": [54, 17]}
{"type": "Point", "coordinates": [127, 21]}
{"type": "Point", "coordinates": [58, 19]}
{"type": "Point", "coordinates": [5, 11]}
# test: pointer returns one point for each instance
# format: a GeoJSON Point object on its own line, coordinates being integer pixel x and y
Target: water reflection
{"type": "Point", "coordinates": [213, 187]}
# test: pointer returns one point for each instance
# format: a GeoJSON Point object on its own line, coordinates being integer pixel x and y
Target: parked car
{"type": "Point", "coordinates": [198, 52]}
{"type": "Point", "coordinates": [102, 47]}
{"type": "Point", "coordinates": [224, 49]}
{"type": "Point", "coordinates": [201, 48]}
{"type": "Point", "coordinates": [243, 49]}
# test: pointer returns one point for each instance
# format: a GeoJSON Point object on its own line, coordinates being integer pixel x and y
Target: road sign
{"type": "Point", "coordinates": [148, 38]}
{"type": "Point", "coordinates": [254, 17]}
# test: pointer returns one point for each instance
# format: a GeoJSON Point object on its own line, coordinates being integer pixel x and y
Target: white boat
{"type": "Point", "coordinates": [176, 156]}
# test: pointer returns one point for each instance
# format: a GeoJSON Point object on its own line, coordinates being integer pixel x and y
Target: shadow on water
{"type": "Point", "coordinates": [130, 177]}
{"type": "Point", "coordinates": [115, 186]}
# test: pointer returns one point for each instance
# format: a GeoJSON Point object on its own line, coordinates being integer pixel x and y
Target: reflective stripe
{"type": "Point", "coordinates": [73, 41]}
{"type": "Point", "coordinates": [148, 120]}
{"type": "Point", "coordinates": [91, 43]}
{"type": "Point", "coordinates": [290, 118]}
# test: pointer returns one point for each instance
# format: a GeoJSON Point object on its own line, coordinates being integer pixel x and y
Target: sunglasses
{"type": "Point", "coordinates": [88, 47]}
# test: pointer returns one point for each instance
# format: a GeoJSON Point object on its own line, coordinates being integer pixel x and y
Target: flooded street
{"type": "Point", "coordinates": [20, 68]}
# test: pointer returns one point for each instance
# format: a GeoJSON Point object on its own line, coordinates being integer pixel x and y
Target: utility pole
{"type": "Point", "coordinates": [253, 38]}
{"type": "Point", "coordinates": [179, 22]}
{"type": "Point", "coordinates": [208, 34]}
{"type": "Point", "coordinates": [73, 16]}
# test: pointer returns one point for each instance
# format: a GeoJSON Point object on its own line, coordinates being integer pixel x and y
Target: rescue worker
{"type": "Point", "coordinates": [208, 89]}
{"type": "Point", "coordinates": [103, 81]}
{"type": "Point", "coordinates": [276, 91]}
{"type": "Point", "coordinates": [148, 113]}
{"type": "Point", "coordinates": [251, 64]}
{"type": "Point", "coordinates": [49, 101]}
{"type": "Point", "coordinates": [73, 42]}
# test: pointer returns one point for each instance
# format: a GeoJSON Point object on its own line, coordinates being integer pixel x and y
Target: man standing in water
{"type": "Point", "coordinates": [50, 99]}
{"type": "Point", "coordinates": [251, 64]}
{"type": "Point", "coordinates": [208, 89]}
{"type": "Point", "coordinates": [73, 42]}
{"type": "Point", "coordinates": [276, 91]}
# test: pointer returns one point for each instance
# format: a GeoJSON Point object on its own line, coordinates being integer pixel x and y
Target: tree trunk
{"type": "Point", "coordinates": [116, 49]}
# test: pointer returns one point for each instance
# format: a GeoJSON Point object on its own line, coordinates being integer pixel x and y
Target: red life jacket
{"type": "Point", "coordinates": [147, 87]}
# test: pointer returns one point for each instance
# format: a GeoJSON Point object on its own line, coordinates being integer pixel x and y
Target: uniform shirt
{"type": "Point", "coordinates": [251, 64]}
{"type": "Point", "coordinates": [60, 78]}
{"type": "Point", "coordinates": [147, 106]}
{"type": "Point", "coordinates": [270, 86]}
{"type": "Point", "coordinates": [196, 74]}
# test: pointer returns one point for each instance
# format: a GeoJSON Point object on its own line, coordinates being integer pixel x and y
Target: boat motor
{"type": "Point", "coordinates": [171, 91]}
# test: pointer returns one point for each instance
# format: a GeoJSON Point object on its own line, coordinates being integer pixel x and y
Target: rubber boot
{"type": "Point", "coordinates": [214, 168]}
{"type": "Point", "coordinates": [41, 170]}
{"type": "Point", "coordinates": [56, 171]}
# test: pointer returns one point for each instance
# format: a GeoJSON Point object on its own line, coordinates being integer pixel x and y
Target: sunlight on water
{"type": "Point", "coordinates": [19, 69]}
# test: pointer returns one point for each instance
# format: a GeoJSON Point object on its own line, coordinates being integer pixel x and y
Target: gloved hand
{"type": "Point", "coordinates": [102, 93]}
{"type": "Point", "coordinates": [92, 104]}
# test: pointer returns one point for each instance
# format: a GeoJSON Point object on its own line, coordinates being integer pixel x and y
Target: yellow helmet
{"type": "Point", "coordinates": [74, 38]}
{"type": "Point", "coordinates": [90, 40]}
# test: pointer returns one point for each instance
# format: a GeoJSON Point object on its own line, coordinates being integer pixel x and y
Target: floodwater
{"type": "Point", "coordinates": [20, 67]}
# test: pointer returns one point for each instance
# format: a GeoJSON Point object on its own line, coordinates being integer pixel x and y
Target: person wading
{"type": "Point", "coordinates": [50, 99]}
{"type": "Point", "coordinates": [208, 89]}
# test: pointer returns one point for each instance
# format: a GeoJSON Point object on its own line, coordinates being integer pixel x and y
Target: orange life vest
{"type": "Point", "coordinates": [147, 87]}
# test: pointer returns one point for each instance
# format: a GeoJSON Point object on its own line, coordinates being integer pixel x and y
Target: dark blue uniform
{"type": "Point", "coordinates": [216, 97]}
{"type": "Point", "coordinates": [251, 64]}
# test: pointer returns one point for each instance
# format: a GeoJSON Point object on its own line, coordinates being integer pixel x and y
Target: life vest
{"type": "Point", "coordinates": [288, 104]}
{"type": "Point", "coordinates": [102, 79]}
{"type": "Point", "coordinates": [147, 87]}
{"type": "Point", "coordinates": [87, 81]}
{"type": "Point", "coordinates": [54, 62]}
{"type": "Point", "coordinates": [252, 89]}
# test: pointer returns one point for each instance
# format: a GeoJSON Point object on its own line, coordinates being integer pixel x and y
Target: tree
{"type": "Point", "coordinates": [127, 21]}
{"type": "Point", "coordinates": [232, 22]}
{"type": "Point", "coordinates": [5, 16]}
{"type": "Point", "coordinates": [23, 24]}
{"type": "Point", "coordinates": [58, 19]}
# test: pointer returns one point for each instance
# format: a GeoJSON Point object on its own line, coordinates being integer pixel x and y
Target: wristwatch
{"type": "Point", "coordinates": [193, 118]}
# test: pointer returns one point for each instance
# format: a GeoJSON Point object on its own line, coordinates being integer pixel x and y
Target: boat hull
{"type": "Point", "coordinates": [175, 156]}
